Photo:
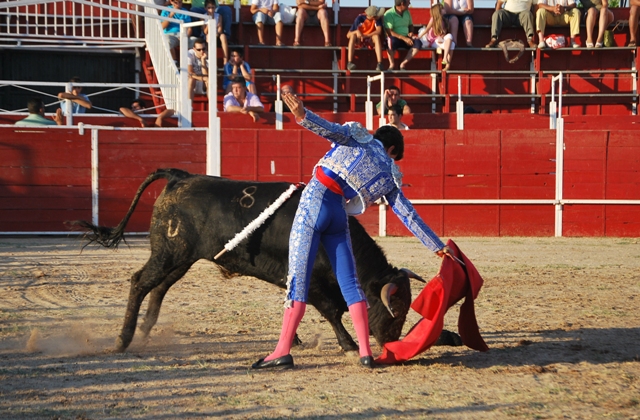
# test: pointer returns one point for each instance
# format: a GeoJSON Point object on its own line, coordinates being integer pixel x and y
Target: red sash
{"type": "Point", "coordinates": [328, 182]}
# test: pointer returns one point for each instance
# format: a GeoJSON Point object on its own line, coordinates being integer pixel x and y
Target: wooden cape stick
{"type": "Point", "coordinates": [266, 213]}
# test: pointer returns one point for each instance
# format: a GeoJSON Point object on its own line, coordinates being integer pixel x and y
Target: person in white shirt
{"type": "Point", "coordinates": [267, 12]}
{"type": "Point", "coordinates": [198, 69]}
{"type": "Point", "coordinates": [516, 13]}
{"type": "Point", "coordinates": [239, 100]}
{"type": "Point", "coordinates": [458, 11]}
{"type": "Point", "coordinates": [558, 13]}
{"type": "Point", "coordinates": [394, 118]}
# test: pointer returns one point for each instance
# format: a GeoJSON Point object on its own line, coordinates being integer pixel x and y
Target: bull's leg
{"type": "Point", "coordinates": [334, 316]}
{"type": "Point", "coordinates": [157, 295]}
{"type": "Point", "coordinates": [153, 274]}
{"type": "Point", "coordinates": [142, 282]}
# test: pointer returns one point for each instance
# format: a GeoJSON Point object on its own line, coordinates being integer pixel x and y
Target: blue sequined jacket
{"type": "Point", "coordinates": [363, 164]}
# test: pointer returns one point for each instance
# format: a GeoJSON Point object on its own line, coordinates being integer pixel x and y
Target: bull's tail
{"type": "Point", "coordinates": [111, 237]}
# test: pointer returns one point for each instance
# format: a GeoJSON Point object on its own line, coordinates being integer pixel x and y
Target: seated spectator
{"type": "Point", "coordinates": [457, 11]}
{"type": "Point", "coordinates": [237, 68]}
{"type": "Point", "coordinates": [224, 14]}
{"type": "Point", "coordinates": [516, 13]}
{"type": "Point", "coordinates": [211, 9]}
{"type": "Point", "coordinates": [436, 35]}
{"type": "Point", "coordinates": [171, 29]}
{"type": "Point", "coordinates": [36, 116]}
{"type": "Point", "coordinates": [633, 22]}
{"type": "Point", "coordinates": [267, 12]}
{"type": "Point", "coordinates": [286, 90]}
{"type": "Point", "coordinates": [239, 100]}
{"type": "Point", "coordinates": [198, 69]}
{"type": "Point", "coordinates": [399, 28]}
{"type": "Point", "coordinates": [597, 10]}
{"type": "Point", "coordinates": [394, 117]}
{"type": "Point", "coordinates": [366, 31]}
{"type": "Point", "coordinates": [558, 13]}
{"type": "Point", "coordinates": [392, 97]}
{"type": "Point", "coordinates": [315, 12]}
{"type": "Point", "coordinates": [139, 108]}
{"type": "Point", "coordinates": [79, 101]}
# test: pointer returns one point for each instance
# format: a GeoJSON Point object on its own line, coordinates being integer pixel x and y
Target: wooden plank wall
{"type": "Point", "coordinates": [45, 175]}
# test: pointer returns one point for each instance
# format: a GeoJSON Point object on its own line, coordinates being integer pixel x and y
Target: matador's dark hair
{"type": "Point", "coordinates": [391, 136]}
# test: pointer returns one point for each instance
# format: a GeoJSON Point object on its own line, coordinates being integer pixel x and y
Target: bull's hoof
{"type": "Point", "coordinates": [448, 338]}
{"type": "Point", "coordinates": [120, 346]}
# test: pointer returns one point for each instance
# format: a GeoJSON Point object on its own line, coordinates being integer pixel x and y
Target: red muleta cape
{"type": "Point", "coordinates": [452, 283]}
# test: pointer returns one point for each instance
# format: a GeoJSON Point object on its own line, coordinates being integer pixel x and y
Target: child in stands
{"type": "Point", "coordinates": [437, 35]}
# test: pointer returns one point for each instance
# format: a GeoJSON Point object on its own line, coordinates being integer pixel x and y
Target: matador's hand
{"type": "Point", "coordinates": [295, 105]}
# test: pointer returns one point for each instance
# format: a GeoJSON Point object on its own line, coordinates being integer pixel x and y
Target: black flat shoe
{"type": "Point", "coordinates": [284, 362]}
{"type": "Point", "coordinates": [367, 361]}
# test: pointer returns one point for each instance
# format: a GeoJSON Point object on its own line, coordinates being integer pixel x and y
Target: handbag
{"type": "Point", "coordinates": [608, 38]}
{"type": "Point", "coordinates": [510, 44]}
{"type": "Point", "coordinates": [555, 41]}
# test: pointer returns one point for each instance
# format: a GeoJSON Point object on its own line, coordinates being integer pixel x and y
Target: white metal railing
{"type": "Point", "coordinates": [79, 23]}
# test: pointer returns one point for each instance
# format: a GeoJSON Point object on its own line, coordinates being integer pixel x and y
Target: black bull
{"type": "Point", "coordinates": [196, 215]}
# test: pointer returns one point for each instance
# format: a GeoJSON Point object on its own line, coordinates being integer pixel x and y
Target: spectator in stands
{"type": "Point", "coordinates": [366, 31]}
{"type": "Point", "coordinates": [558, 13]}
{"type": "Point", "coordinates": [235, 68]}
{"type": "Point", "coordinates": [516, 13]}
{"type": "Point", "coordinates": [286, 90]}
{"type": "Point", "coordinates": [36, 116]}
{"type": "Point", "coordinates": [399, 28]}
{"type": "Point", "coordinates": [80, 102]}
{"type": "Point", "coordinates": [267, 12]}
{"type": "Point", "coordinates": [314, 11]}
{"type": "Point", "coordinates": [597, 10]}
{"type": "Point", "coordinates": [198, 69]}
{"type": "Point", "coordinates": [392, 97]}
{"type": "Point", "coordinates": [634, 5]}
{"type": "Point", "coordinates": [460, 11]}
{"type": "Point", "coordinates": [211, 9]}
{"type": "Point", "coordinates": [224, 14]}
{"type": "Point", "coordinates": [239, 100]}
{"type": "Point", "coordinates": [138, 109]}
{"type": "Point", "coordinates": [436, 35]}
{"type": "Point", "coordinates": [394, 117]}
{"type": "Point", "coordinates": [171, 29]}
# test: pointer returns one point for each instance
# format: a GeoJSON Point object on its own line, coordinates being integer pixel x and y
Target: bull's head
{"type": "Point", "coordinates": [389, 307]}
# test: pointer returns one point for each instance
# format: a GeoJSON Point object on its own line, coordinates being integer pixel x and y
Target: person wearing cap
{"type": "Point", "coordinates": [366, 32]}
{"type": "Point", "coordinates": [358, 170]}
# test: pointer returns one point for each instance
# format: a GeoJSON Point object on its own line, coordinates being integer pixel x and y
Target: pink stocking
{"type": "Point", "coordinates": [290, 322]}
{"type": "Point", "coordinates": [360, 321]}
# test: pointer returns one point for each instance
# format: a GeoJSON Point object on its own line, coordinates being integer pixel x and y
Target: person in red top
{"type": "Point", "coordinates": [366, 31]}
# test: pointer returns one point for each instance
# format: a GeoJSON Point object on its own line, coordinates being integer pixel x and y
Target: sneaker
{"type": "Point", "coordinates": [574, 44]}
{"type": "Point", "coordinates": [542, 45]}
{"type": "Point", "coordinates": [351, 66]}
{"type": "Point", "coordinates": [379, 67]}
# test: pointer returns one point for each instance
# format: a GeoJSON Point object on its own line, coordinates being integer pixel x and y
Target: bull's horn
{"type": "Point", "coordinates": [385, 295]}
{"type": "Point", "coordinates": [413, 275]}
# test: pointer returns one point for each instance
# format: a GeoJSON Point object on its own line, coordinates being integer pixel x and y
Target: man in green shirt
{"type": "Point", "coordinates": [399, 27]}
{"type": "Point", "coordinates": [36, 115]}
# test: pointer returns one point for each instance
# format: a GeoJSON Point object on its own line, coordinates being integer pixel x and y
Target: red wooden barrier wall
{"type": "Point", "coordinates": [45, 175]}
